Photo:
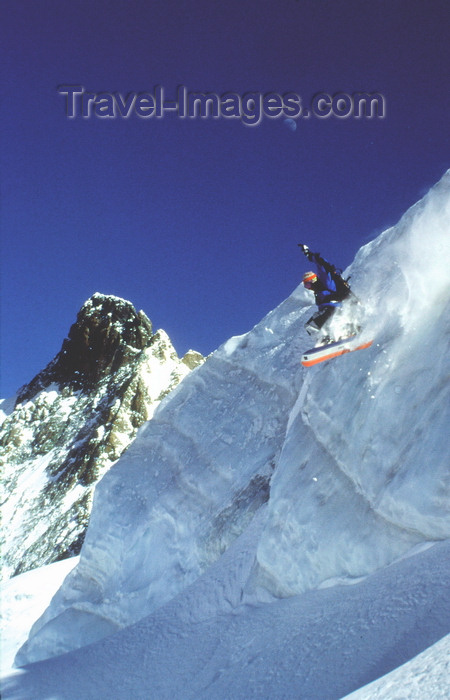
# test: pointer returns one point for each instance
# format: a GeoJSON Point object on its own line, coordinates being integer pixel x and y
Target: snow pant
{"type": "Point", "coordinates": [317, 320]}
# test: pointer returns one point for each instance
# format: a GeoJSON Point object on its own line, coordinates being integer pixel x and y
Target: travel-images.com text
{"type": "Point", "coordinates": [250, 107]}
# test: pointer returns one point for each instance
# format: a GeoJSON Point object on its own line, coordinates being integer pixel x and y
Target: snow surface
{"type": "Point", "coordinates": [204, 645]}
{"type": "Point", "coordinates": [23, 599]}
{"type": "Point", "coordinates": [222, 545]}
{"type": "Point", "coordinates": [425, 676]}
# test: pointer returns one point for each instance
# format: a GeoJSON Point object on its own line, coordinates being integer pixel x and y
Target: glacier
{"type": "Point", "coordinates": [333, 473]}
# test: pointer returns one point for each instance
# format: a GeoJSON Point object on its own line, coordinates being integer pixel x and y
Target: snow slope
{"type": "Point", "coordinates": [425, 676]}
{"type": "Point", "coordinates": [336, 471]}
{"type": "Point", "coordinates": [203, 645]}
{"type": "Point", "coordinates": [367, 443]}
{"type": "Point", "coordinates": [23, 599]}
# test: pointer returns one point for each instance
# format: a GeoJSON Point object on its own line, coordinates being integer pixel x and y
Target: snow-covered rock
{"type": "Point", "coordinates": [351, 457]}
{"type": "Point", "coordinates": [73, 421]}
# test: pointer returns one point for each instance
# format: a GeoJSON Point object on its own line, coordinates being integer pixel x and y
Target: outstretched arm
{"type": "Point", "coordinates": [317, 258]}
{"type": "Point", "coordinates": [324, 263]}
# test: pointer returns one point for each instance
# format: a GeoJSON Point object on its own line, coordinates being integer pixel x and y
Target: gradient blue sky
{"type": "Point", "coordinates": [196, 221]}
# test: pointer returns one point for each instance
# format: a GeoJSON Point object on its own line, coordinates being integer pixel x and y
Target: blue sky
{"type": "Point", "coordinates": [196, 221]}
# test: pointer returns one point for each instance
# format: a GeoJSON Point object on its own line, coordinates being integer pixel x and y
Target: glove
{"type": "Point", "coordinates": [305, 250]}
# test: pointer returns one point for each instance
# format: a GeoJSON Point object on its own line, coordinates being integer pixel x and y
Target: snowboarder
{"type": "Point", "coordinates": [329, 288]}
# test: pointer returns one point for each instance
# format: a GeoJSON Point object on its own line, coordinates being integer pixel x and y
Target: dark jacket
{"type": "Point", "coordinates": [330, 289]}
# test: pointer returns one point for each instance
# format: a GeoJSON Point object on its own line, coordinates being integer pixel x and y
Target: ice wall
{"type": "Point", "coordinates": [364, 472]}
{"type": "Point", "coordinates": [187, 487]}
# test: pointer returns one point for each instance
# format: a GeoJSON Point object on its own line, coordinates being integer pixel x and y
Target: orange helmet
{"type": "Point", "coordinates": [309, 278]}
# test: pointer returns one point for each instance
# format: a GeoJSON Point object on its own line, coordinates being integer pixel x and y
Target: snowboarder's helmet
{"type": "Point", "coordinates": [309, 278]}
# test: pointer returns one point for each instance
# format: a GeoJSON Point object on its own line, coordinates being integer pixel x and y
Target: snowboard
{"type": "Point", "coordinates": [328, 352]}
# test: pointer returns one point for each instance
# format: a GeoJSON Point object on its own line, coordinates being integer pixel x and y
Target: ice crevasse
{"type": "Point", "coordinates": [346, 462]}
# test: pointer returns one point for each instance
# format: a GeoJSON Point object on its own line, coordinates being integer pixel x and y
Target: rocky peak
{"type": "Point", "coordinates": [107, 333]}
{"type": "Point", "coordinates": [74, 420]}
